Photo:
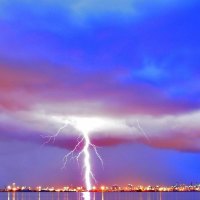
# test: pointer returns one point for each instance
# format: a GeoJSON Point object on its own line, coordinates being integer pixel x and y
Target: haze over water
{"type": "Point", "coordinates": [101, 196]}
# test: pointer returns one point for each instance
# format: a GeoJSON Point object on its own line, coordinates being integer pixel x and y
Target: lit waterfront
{"type": "Point", "coordinates": [114, 188]}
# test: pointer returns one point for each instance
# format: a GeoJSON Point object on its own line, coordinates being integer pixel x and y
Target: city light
{"type": "Point", "coordinates": [104, 188]}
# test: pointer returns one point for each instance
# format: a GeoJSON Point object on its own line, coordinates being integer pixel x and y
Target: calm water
{"type": "Point", "coordinates": [100, 196]}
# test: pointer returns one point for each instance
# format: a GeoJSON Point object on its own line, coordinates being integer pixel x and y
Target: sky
{"type": "Point", "coordinates": [127, 71]}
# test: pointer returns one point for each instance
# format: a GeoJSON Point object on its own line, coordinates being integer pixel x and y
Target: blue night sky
{"type": "Point", "coordinates": [127, 71]}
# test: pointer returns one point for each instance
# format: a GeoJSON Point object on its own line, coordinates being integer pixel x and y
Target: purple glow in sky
{"type": "Point", "coordinates": [128, 71]}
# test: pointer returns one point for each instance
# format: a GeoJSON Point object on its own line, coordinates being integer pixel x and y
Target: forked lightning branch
{"type": "Point", "coordinates": [85, 145]}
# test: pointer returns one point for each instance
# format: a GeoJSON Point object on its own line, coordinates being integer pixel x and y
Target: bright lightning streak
{"type": "Point", "coordinates": [85, 151]}
{"type": "Point", "coordinates": [87, 165]}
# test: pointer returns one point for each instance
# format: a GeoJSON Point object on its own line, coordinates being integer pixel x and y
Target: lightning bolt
{"type": "Point", "coordinates": [142, 130]}
{"type": "Point", "coordinates": [88, 171]}
{"type": "Point", "coordinates": [139, 128]}
{"type": "Point", "coordinates": [53, 137]}
{"type": "Point", "coordinates": [84, 140]}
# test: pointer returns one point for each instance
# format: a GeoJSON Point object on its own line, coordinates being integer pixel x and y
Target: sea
{"type": "Point", "coordinates": [100, 196]}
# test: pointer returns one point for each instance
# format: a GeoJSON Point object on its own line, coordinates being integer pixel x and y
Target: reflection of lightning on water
{"type": "Point", "coordinates": [83, 140]}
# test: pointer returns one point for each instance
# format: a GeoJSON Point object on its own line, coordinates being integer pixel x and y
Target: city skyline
{"type": "Point", "coordinates": [105, 188]}
{"type": "Point", "coordinates": [123, 73]}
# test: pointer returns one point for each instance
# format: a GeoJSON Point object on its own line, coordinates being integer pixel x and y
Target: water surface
{"type": "Point", "coordinates": [100, 196]}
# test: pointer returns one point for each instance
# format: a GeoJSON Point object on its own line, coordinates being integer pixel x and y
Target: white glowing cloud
{"type": "Point", "coordinates": [184, 127]}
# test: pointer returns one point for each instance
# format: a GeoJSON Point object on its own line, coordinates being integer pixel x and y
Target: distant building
{"type": "Point", "coordinates": [130, 187]}
{"type": "Point", "coordinates": [115, 188]}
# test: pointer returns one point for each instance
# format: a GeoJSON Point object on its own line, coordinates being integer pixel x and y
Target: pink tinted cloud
{"type": "Point", "coordinates": [22, 87]}
{"type": "Point", "coordinates": [176, 142]}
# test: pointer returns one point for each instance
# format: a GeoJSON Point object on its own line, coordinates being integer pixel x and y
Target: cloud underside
{"type": "Point", "coordinates": [133, 66]}
{"type": "Point", "coordinates": [35, 105]}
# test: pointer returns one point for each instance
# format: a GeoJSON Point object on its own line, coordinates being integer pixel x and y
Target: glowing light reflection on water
{"type": "Point", "coordinates": [99, 196]}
